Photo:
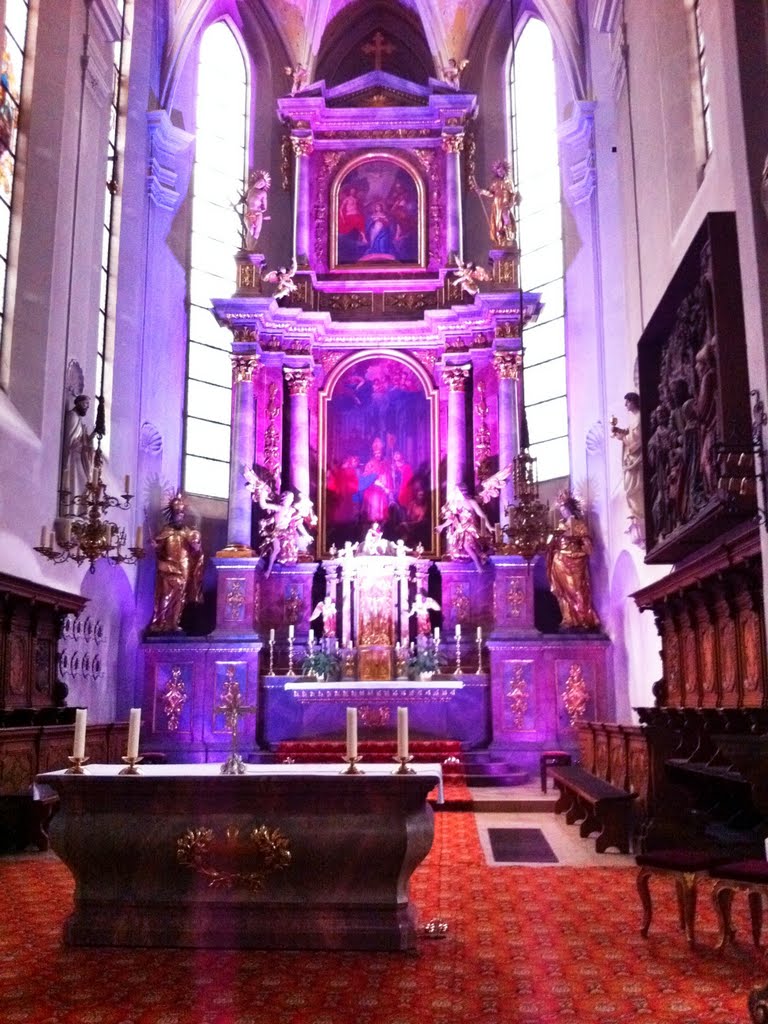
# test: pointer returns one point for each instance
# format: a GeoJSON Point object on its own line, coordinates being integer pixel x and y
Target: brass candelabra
{"type": "Point", "coordinates": [527, 530]}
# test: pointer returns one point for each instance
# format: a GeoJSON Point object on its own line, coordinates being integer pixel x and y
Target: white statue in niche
{"type": "Point", "coordinates": [632, 466]}
{"type": "Point", "coordinates": [77, 444]}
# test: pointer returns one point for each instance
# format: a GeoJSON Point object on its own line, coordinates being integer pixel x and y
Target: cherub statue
{"type": "Point", "coordinates": [452, 72]}
{"type": "Point", "coordinates": [179, 573]}
{"type": "Point", "coordinates": [460, 517]}
{"type": "Point", "coordinates": [283, 278]}
{"type": "Point", "coordinates": [468, 275]}
{"type": "Point", "coordinates": [252, 205]}
{"type": "Point", "coordinates": [568, 565]}
{"type": "Point", "coordinates": [491, 486]}
{"type": "Point", "coordinates": [504, 196]}
{"type": "Point", "coordinates": [374, 542]}
{"type": "Point", "coordinates": [298, 76]}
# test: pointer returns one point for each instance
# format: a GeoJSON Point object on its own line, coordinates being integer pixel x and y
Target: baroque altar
{"type": "Point", "coordinates": [377, 389]}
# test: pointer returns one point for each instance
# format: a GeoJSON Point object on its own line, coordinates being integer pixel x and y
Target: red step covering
{"type": "Point", "coordinates": [445, 752]}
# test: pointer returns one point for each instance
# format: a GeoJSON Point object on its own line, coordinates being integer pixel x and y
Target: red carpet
{"type": "Point", "coordinates": [525, 946]}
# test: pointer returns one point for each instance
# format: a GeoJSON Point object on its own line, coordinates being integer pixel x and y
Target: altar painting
{"type": "Point", "coordinates": [377, 215]}
{"type": "Point", "coordinates": [378, 455]}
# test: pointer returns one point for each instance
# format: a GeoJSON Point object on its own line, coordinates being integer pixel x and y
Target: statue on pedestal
{"type": "Point", "coordinates": [79, 453]}
{"type": "Point", "coordinates": [505, 197]}
{"type": "Point", "coordinates": [326, 609]}
{"type": "Point", "coordinates": [179, 573]}
{"type": "Point", "coordinates": [422, 605]}
{"type": "Point", "coordinates": [254, 207]}
{"type": "Point", "coordinates": [568, 566]}
{"type": "Point", "coordinates": [632, 466]}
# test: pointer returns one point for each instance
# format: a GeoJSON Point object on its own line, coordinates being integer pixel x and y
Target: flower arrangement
{"type": "Point", "coordinates": [321, 664]}
{"type": "Point", "coordinates": [422, 661]}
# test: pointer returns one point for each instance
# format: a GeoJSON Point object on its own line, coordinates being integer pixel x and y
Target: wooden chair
{"type": "Point", "coordinates": [749, 876]}
{"type": "Point", "coordinates": [686, 868]}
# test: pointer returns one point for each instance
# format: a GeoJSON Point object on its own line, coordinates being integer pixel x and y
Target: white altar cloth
{"type": "Point", "coordinates": [211, 769]}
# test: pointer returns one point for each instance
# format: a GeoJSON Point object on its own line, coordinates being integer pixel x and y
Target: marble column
{"type": "Point", "coordinates": [302, 219]}
{"type": "Point", "coordinates": [298, 411]}
{"type": "Point", "coordinates": [242, 454]}
{"type": "Point", "coordinates": [507, 365]}
{"type": "Point", "coordinates": [456, 447]}
{"type": "Point", "coordinates": [453, 145]}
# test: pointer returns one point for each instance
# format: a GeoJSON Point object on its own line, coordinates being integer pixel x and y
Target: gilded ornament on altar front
{"type": "Point", "coordinates": [375, 717]}
{"type": "Point", "coordinates": [576, 695]}
{"type": "Point", "coordinates": [234, 861]}
{"type": "Point", "coordinates": [461, 605]}
{"type": "Point", "coordinates": [294, 606]}
{"type": "Point", "coordinates": [234, 599]}
{"type": "Point", "coordinates": [174, 697]}
{"type": "Point", "coordinates": [517, 696]}
{"type": "Point", "coordinates": [375, 612]}
{"type": "Point", "coordinates": [515, 598]}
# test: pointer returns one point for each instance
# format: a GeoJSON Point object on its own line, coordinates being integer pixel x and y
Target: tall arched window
{"type": "Point", "coordinates": [534, 139]}
{"type": "Point", "coordinates": [15, 37]}
{"type": "Point", "coordinates": [219, 171]}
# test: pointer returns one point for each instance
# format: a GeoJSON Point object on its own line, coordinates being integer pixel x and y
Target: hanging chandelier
{"type": "Point", "coordinates": [527, 530]}
{"type": "Point", "coordinates": [86, 534]}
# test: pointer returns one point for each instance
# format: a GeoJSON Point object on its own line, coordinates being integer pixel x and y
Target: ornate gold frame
{"type": "Point", "coordinates": [325, 395]}
{"type": "Point", "coordinates": [377, 268]}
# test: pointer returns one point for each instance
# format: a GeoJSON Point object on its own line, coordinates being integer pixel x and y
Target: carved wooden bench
{"type": "Point", "coordinates": [597, 805]}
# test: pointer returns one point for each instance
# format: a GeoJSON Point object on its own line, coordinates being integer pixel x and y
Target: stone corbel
{"type": "Point", "coordinates": [577, 139]}
{"type": "Point", "coordinates": [169, 160]}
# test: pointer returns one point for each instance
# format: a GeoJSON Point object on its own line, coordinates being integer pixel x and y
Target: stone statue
{"type": "Point", "coordinates": [298, 77]}
{"type": "Point", "coordinates": [568, 566]}
{"type": "Point", "coordinates": [632, 465]}
{"type": "Point", "coordinates": [78, 452]}
{"type": "Point", "coordinates": [462, 519]}
{"type": "Point", "coordinates": [452, 72]}
{"type": "Point", "coordinates": [504, 198]}
{"type": "Point", "coordinates": [254, 208]}
{"type": "Point", "coordinates": [179, 572]}
{"type": "Point", "coordinates": [467, 275]}
{"type": "Point", "coordinates": [283, 278]}
{"type": "Point", "coordinates": [281, 532]}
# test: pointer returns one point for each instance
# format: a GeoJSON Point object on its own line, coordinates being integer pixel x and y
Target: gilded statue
{"type": "Point", "coordinates": [179, 573]}
{"type": "Point", "coordinates": [632, 465]}
{"type": "Point", "coordinates": [462, 519]}
{"type": "Point", "coordinates": [568, 554]}
{"type": "Point", "coordinates": [504, 197]}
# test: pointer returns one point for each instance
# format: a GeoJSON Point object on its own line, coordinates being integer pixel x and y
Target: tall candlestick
{"type": "Point", "coordinates": [78, 749]}
{"type": "Point", "coordinates": [134, 727]}
{"type": "Point", "coordinates": [402, 732]}
{"type": "Point", "coordinates": [351, 732]}
{"type": "Point", "coordinates": [311, 638]}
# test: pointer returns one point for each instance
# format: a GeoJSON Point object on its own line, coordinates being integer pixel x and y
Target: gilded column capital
{"type": "Point", "coordinates": [244, 335]}
{"type": "Point", "coordinates": [302, 146]}
{"type": "Point", "coordinates": [453, 142]}
{"type": "Point", "coordinates": [456, 376]}
{"type": "Point", "coordinates": [297, 380]}
{"type": "Point", "coordinates": [243, 368]}
{"type": "Point", "coordinates": [507, 364]}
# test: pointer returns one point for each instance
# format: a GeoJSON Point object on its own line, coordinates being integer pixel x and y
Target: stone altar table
{"type": "Point", "coordinates": [295, 857]}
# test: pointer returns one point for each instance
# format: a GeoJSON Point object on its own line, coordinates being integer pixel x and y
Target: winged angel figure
{"type": "Point", "coordinates": [283, 530]}
{"type": "Point", "coordinates": [283, 278]}
{"type": "Point", "coordinates": [452, 72]}
{"type": "Point", "coordinates": [491, 486]}
{"type": "Point", "coordinates": [298, 76]}
{"type": "Point", "coordinates": [468, 275]}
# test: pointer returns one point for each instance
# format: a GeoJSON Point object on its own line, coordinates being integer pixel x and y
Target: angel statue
{"type": "Point", "coordinates": [505, 197]}
{"type": "Point", "coordinates": [284, 533]}
{"type": "Point", "coordinates": [462, 518]}
{"type": "Point", "coordinates": [452, 72]}
{"type": "Point", "coordinates": [252, 206]}
{"type": "Point", "coordinates": [491, 487]}
{"type": "Point", "coordinates": [298, 76]}
{"type": "Point", "coordinates": [283, 278]}
{"type": "Point", "coordinates": [468, 275]}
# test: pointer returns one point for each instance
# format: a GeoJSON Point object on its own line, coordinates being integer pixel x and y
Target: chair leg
{"type": "Point", "coordinates": [722, 896]}
{"type": "Point", "coordinates": [686, 899]}
{"type": "Point", "coordinates": [756, 916]}
{"type": "Point", "coordinates": [644, 890]}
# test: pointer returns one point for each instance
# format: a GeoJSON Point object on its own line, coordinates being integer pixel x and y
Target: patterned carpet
{"type": "Point", "coordinates": [525, 946]}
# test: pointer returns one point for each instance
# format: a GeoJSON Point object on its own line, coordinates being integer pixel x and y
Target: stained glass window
{"type": "Point", "coordinates": [701, 56]}
{"type": "Point", "coordinates": [534, 134]}
{"type": "Point", "coordinates": [222, 124]}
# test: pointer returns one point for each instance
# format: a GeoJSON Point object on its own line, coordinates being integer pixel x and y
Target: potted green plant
{"type": "Point", "coordinates": [422, 663]}
{"type": "Point", "coordinates": [321, 664]}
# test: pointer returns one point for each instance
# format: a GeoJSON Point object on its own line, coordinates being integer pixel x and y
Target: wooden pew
{"type": "Point", "coordinates": [598, 805]}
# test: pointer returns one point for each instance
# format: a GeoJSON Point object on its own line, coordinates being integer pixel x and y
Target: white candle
{"type": "Point", "coordinates": [139, 537]}
{"type": "Point", "coordinates": [43, 536]}
{"type": "Point", "coordinates": [67, 531]}
{"type": "Point", "coordinates": [479, 633]}
{"type": "Point", "coordinates": [402, 732]}
{"type": "Point", "coordinates": [78, 749]}
{"type": "Point", "coordinates": [290, 631]}
{"type": "Point", "coordinates": [134, 726]}
{"type": "Point", "coordinates": [127, 484]}
{"type": "Point", "coordinates": [458, 631]}
{"type": "Point", "coordinates": [311, 637]}
{"type": "Point", "coordinates": [351, 732]}
{"type": "Point", "coordinates": [437, 634]}
{"type": "Point", "coordinates": [271, 636]}
{"type": "Point", "coordinates": [51, 539]}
